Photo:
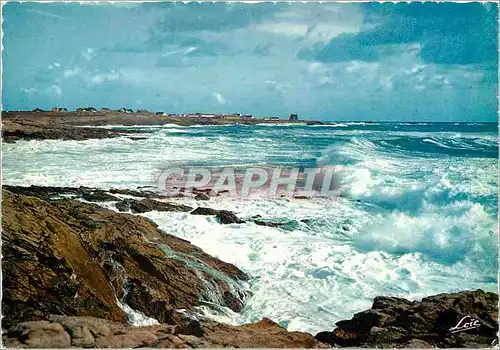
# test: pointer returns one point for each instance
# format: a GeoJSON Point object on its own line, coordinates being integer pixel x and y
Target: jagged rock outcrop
{"type": "Point", "coordinates": [396, 322]}
{"type": "Point", "coordinates": [223, 216]}
{"type": "Point", "coordinates": [74, 258]}
{"type": "Point", "coordinates": [145, 205]}
{"type": "Point", "coordinates": [49, 192]}
{"type": "Point", "coordinates": [68, 257]}
{"type": "Point", "coordinates": [64, 332]}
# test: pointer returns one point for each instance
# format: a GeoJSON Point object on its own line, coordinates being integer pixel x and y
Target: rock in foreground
{"type": "Point", "coordinates": [396, 322]}
{"type": "Point", "coordinates": [65, 332]}
{"type": "Point", "coordinates": [74, 258]}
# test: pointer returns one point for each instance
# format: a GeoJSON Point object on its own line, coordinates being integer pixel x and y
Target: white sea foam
{"type": "Point", "coordinates": [410, 223]}
{"type": "Point", "coordinates": [121, 126]}
{"type": "Point", "coordinates": [136, 318]}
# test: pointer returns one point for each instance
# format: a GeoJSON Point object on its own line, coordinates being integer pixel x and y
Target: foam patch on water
{"type": "Point", "coordinates": [417, 216]}
{"type": "Point", "coordinates": [333, 266]}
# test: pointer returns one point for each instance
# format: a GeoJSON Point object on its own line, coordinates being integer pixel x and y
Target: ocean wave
{"type": "Point", "coordinates": [446, 234]}
{"type": "Point", "coordinates": [339, 125]}
{"type": "Point", "coordinates": [362, 123]}
{"type": "Point", "coordinates": [280, 124]}
{"type": "Point", "coordinates": [121, 126]}
{"type": "Point", "coordinates": [418, 210]}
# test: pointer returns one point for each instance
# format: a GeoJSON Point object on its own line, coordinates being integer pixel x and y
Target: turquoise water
{"type": "Point", "coordinates": [418, 214]}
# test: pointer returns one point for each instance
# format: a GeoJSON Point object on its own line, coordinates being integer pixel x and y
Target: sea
{"type": "Point", "coordinates": [418, 214]}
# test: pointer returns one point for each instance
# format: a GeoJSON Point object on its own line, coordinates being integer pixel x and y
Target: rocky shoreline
{"type": "Point", "coordinates": [70, 266]}
{"type": "Point", "coordinates": [26, 125]}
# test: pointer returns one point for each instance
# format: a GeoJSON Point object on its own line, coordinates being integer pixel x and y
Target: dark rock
{"type": "Point", "coordinates": [122, 206]}
{"type": "Point", "coordinates": [98, 196]}
{"type": "Point", "coordinates": [204, 211]}
{"type": "Point", "coordinates": [202, 197]}
{"type": "Point", "coordinates": [146, 205]}
{"type": "Point", "coordinates": [228, 217]}
{"type": "Point", "coordinates": [396, 322]}
{"type": "Point", "coordinates": [325, 337]}
{"type": "Point", "coordinates": [224, 216]}
{"type": "Point", "coordinates": [269, 223]}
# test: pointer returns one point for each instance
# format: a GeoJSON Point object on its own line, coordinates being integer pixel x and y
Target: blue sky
{"type": "Point", "coordinates": [330, 61]}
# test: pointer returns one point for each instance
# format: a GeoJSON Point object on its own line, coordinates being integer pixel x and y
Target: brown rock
{"type": "Point", "coordinates": [74, 258]}
{"type": "Point", "coordinates": [265, 333]}
{"type": "Point", "coordinates": [38, 334]}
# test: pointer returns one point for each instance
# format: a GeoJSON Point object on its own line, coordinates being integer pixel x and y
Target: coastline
{"type": "Point", "coordinates": [18, 125]}
{"type": "Point", "coordinates": [78, 259]}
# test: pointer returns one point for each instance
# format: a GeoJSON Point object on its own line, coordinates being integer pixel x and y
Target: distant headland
{"type": "Point", "coordinates": [80, 124]}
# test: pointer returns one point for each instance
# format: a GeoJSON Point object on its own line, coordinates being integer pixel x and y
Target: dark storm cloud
{"type": "Point", "coordinates": [192, 17]}
{"type": "Point", "coordinates": [448, 33]}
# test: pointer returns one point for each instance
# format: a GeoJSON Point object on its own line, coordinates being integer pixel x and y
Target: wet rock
{"type": "Point", "coordinates": [301, 197]}
{"type": "Point", "coordinates": [75, 258]}
{"type": "Point", "coordinates": [397, 322]}
{"type": "Point", "coordinates": [202, 197]}
{"type": "Point", "coordinates": [98, 196]}
{"type": "Point", "coordinates": [147, 205]}
{"type": "Point", "coordinates": [204, 211]}
{"type": "Point", "coordinates": [136, 193]}
{"type": "Point", "coordinates": [268, 223]}
{"type": "Point", "coordinates": [223, 216]}
{"type": "Point", "coordinates": [51, 193]}
{"type": "Point", "coordinates": [122, 206]}
{"type": "Point", "coordinates": [228, 217]}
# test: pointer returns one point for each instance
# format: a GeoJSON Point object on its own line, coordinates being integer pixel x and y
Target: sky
{"type": "Point", "coordinates": [324, 61]}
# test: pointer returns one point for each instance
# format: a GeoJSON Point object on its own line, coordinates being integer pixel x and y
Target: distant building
{"type": "Point", "coordinates": [294, 116]}
{"type": "Point", "coordinates": [247, 116]}
{"type": "Point", "coordinates": [104, 109]}
{"type": "Point", "coordinates": [90, 109]}
{"type": "Point", "coordinates": [126, 110]}
{"type": "Point", "coordinates": [207, 116]}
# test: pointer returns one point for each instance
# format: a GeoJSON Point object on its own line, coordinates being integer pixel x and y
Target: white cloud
{"type": "Point", "coordinates": [101, 78]}
{"type": "Point", "coordinates": [30, 91]}
{"type": "Point", "coordinates": [285, 28]}
{"type": "Point", "coordinates": [56, 90]}
{"type": "Point", "coordinates": [315, 23]}
{"type": "Point", "coordinates": [219, 98]}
